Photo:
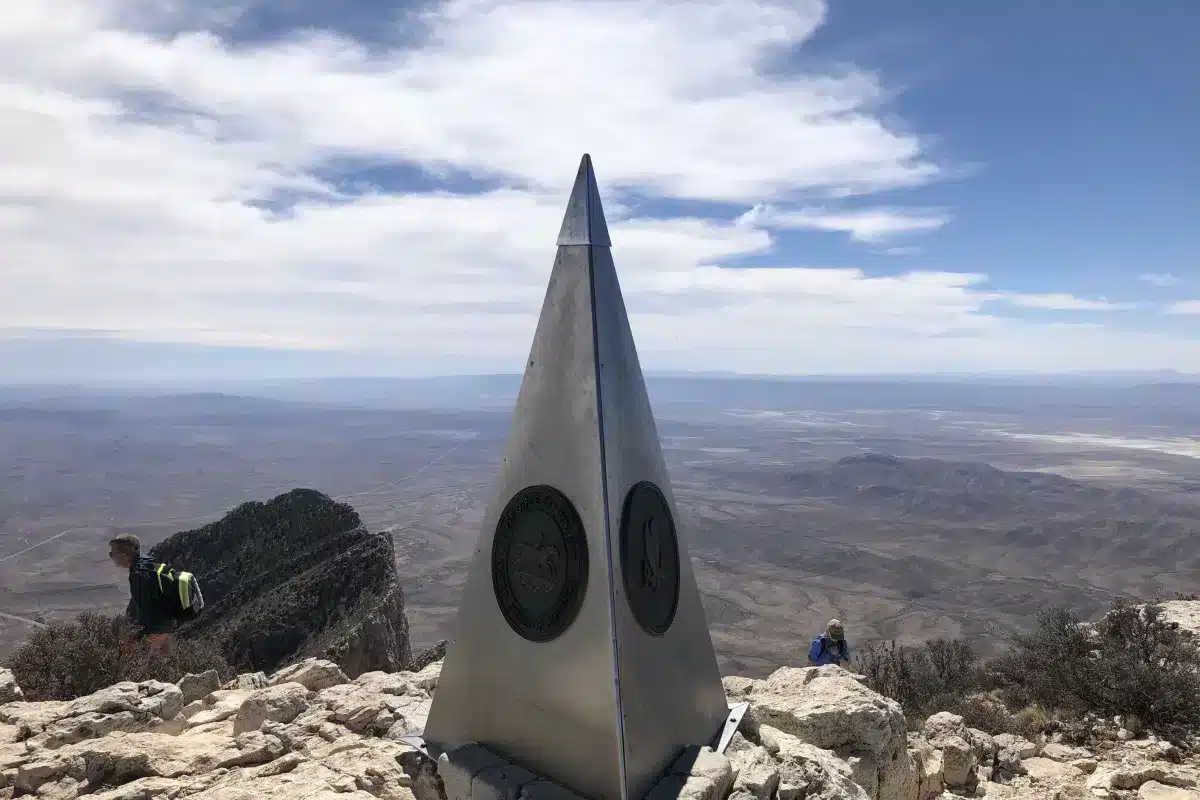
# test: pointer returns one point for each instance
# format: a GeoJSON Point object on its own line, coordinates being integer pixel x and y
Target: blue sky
{"type": "Point", "coordinates": [1081, 121]}
{"type": "Point", "coordinates": [288, 188]}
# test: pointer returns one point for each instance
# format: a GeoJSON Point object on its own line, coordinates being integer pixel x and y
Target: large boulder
{"type": "Point", "coordinates": [930, 767]}
{"type": "Point", "coordinates": [280, 703]}
{"type": "Point", "coordinates": [698, 774]}
{"type": "Point", "coordinates": [948, 734]}
{"type": "Point", "coordinates": [1011, 752]}
{"type": "Point", "coordinates": [198, 687]}
{"type": "Point", "coordinates": [832, 709]}
{"type": "Point", "coordinates": [314, 674]}
{"type": "Point", "coordinates": [1153, 790]}
{"type": "Point", "coordinates": [967, 755]}
{"type": "Point", "coordinates": [216, 707]}
{"type": "Point", "coordinates": [755, 772]}
{"type": "Point", "coordinates": [807, 772]}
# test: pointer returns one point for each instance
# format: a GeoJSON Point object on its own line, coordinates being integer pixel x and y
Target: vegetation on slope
{"type": "Point", "coordinates": [71, 659]}
{"type": "Point", "coordinates": [1062, 674]}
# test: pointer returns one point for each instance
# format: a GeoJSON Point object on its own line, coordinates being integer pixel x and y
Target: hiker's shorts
{"type": "Point", "coordinates": [159, 641]}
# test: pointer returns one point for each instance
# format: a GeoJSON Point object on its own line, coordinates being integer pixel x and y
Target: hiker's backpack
{"type": "Point", "coordinates": [824, 648]}
{"type": "Point", "coordinates": [181, 595]}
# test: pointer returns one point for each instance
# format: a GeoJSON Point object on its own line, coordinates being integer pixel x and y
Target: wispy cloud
{"type": "Point", "coordinates": [870, 225]}
{"type": "Point", "coordinates": [1184, 307]}
{"type": "Point", "coordinates": [1159, 279]}
{"type": "Point", "coordinates": [1058, 301]}
{"type": "Point", "coordinates": [143, 146]}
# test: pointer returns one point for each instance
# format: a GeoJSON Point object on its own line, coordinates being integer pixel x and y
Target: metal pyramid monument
{"type": "Point", "coordinates": [582, 652]}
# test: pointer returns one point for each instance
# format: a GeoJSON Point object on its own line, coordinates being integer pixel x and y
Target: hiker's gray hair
{"type": "Point", "coordinates": [128, 544]}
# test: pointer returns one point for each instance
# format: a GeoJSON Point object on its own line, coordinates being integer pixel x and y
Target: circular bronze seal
{"type": "Point", "coordinates": [539, 563]}
{"type": "Point", "coordinates": [650, 558]}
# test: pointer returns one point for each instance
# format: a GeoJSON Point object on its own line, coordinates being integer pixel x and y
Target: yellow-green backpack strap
{"type": "Point", "coordinates": [185, 590]}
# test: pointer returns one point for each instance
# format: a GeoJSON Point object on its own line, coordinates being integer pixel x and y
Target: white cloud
{"type": "Point", "coordinates": [140, 148]}
{"type": "Point", "coordinates": [1059, 301]}
{"type": "Point", "coordinates": [872, 225]}
{"type": "Point", "coordinates": [1184, 307]}
{"type": "Point", "coordinates": [1160, 279]}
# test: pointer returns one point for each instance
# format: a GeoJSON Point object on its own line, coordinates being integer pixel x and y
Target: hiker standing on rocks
{"type": "Point", "coordinates": [159, 596]}
{"type": "Point", "coordinates": [830, 647]}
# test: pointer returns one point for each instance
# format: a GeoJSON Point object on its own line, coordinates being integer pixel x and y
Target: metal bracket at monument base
{"type": "Point", "coordinates": [736, 712]}
{"type": "Point", "coordinates": [418, 741]}
{"type": "Point", "coordinates": [720, 742]}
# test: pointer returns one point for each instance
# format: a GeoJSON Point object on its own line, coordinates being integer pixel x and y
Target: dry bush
{"type": "Point", "coordinates": [936, 676]}
{"type": "Point", "coordinates": [954, 667]}
{"type": "Point", "coordinates": [982, 712]}
{"type": "Point", "coordinates": [1032, 721]}
{"type": "Point", "coordinates": [70, 659]}
{"type": "Point", "coordinates": [1042, 664]}
{"type": "Point", "coordinates": [1133, 662]}
{"type": "Point", "coordinates": [890, 669]}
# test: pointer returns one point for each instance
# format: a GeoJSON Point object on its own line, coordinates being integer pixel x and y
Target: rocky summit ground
{"type": "Point", "coordinates": [309, 732]}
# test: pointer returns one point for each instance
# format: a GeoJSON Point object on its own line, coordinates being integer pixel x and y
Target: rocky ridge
{"type": "Point", "coordinates": [309, 732]}
{"type": "Point", "coordinates": [331, 589]}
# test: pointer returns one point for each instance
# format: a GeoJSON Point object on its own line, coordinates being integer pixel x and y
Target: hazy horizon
{"type": "Point", "coordinates": [102, 363]}
{"type": "Point", "coordinates": [218, 384]}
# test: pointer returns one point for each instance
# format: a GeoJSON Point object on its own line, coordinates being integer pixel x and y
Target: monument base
{"type": "Point", "coordinates": [473, 772]}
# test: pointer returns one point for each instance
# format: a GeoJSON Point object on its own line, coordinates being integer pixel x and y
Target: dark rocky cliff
{"type": "Point", "coordinates": [295, 577]}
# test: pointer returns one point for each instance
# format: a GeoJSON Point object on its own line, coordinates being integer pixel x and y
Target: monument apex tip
{"type": "Point", "coordinates": [584, 223]}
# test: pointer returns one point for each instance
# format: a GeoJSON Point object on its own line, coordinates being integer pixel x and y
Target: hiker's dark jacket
{"type": "Point", "coordinates": [145, 600]}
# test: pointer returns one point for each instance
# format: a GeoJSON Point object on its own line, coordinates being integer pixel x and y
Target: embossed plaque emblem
{"type": "Point", "coordinates": [650, 558]}
{"type": "Point", "coordinates": [539, 563]}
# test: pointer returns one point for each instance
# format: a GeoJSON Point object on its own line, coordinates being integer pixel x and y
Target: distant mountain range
{"type": "Point", "coordinates": [969, 513]}
{"type": "Point", "coordinates": [975, 492]}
